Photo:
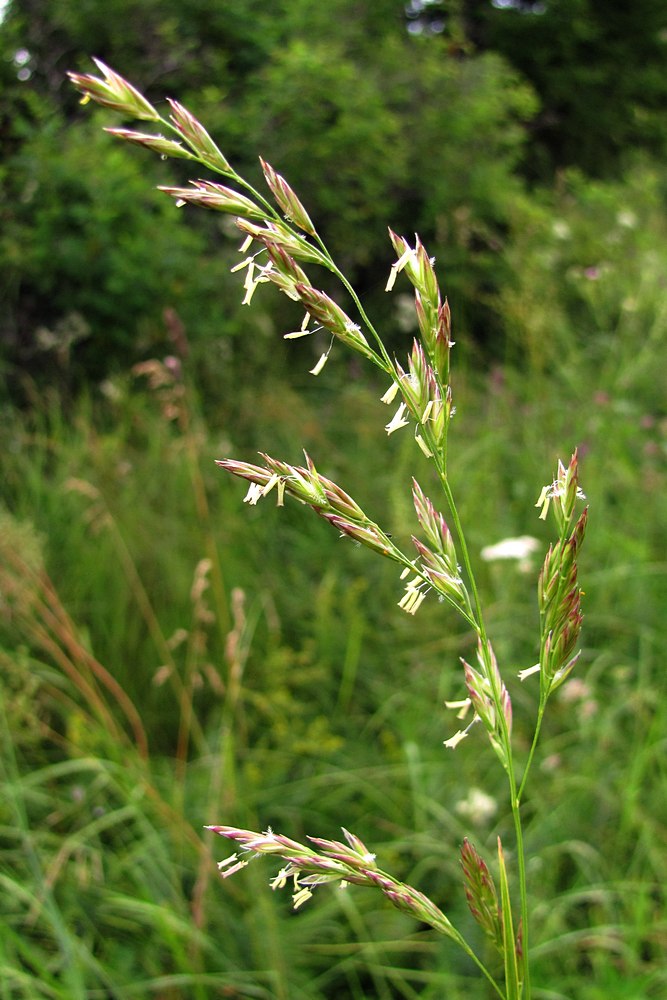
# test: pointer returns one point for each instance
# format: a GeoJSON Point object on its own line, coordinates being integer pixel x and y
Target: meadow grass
{"type": "Point", "coordinates": [169, 675]}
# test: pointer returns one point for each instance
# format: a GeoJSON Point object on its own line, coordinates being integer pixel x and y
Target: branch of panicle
{"type": "Point", "coordinates": [255, 216]}
{"type": "Point", "coordinates": [491, 701]}
{"type": "Point", "coordinates": [346, 863]}
{"type": "Point", "coordinates": [325, 497]}
{"type": "Point", "coordinates": [559, 593]}
{"type": "Point", "coordinates": [349, 863]}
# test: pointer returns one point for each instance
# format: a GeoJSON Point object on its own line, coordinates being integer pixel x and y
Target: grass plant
{"type": "Point", "coordinates": [141, 703]}
{"type": "Point", "coordinates": [287, 238]}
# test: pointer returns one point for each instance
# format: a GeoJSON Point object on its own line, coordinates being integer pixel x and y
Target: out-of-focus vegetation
{"type": "Point", "coordinates": [171, 659]}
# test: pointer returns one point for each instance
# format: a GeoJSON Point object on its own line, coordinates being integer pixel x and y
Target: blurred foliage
{"type": "Point", "coordinates": [588, 267]}
{"type": "Point", "coordinates": [413, 115]}
{"type": "Point", "coordinates": [403, 135]}
{"type": "Point", "coordinates": [76, 256]}
{"type": "Point", "coordinates": [598, 68]}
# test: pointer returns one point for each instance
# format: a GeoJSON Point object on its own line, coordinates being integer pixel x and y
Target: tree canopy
{"type": "Point", "coordinates": [598, 67]}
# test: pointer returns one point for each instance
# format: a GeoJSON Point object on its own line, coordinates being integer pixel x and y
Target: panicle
{"type": "Point", "coordinates": [325, 497]}
{"type": "Point", "coordinates": [335, 862]}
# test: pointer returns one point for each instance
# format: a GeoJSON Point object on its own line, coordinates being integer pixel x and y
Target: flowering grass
{"type": "Point", "coordinates": [374, 761]}
{"type": "Point", "coordinates": [286, 239]}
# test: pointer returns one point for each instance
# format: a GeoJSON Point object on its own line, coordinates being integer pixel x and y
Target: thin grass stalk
{"type": "Point", "coordinates": [40, 616]}
{"type": "Point", "coordinates": [72, 974]}
{"type": "Point", "coordinates": [186, 419]}
{"type": "Point", "coordinates": [65, 628]}
{"type": "Point", "coordinates": [155, 629]}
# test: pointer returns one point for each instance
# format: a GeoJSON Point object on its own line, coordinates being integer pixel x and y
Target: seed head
{"type": "Point", "coordinates": [208, 194]}
{"type": "Point", "coordinates": [157, 143]}
{"type": "Point", "coordinates": [197, 137]}
{"type": "Point", "coordinates": [287, 199]}
{"type": "Point", "coordinates": [112, 91]}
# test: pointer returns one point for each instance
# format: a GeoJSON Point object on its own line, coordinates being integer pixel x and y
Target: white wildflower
{"type": "Point", "coordinates": [478, 807]}
{"type": "Point", "coordinates": [520, 548]}
{"type": "Point", "coordinates": [627, 218]}
{"type": "Point", "coordinates": [511, 548]}
{"type": "Point", "coordinates": [560, 229]}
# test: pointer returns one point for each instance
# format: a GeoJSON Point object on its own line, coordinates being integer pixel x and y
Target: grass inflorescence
{"type": "Point", "coordinates": [162, 674]}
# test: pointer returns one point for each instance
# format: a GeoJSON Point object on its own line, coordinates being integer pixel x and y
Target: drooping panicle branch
{"type": "Point", "coordinates": [325, 497]}
{"type": "Point", "coordinates": [335, 861]}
